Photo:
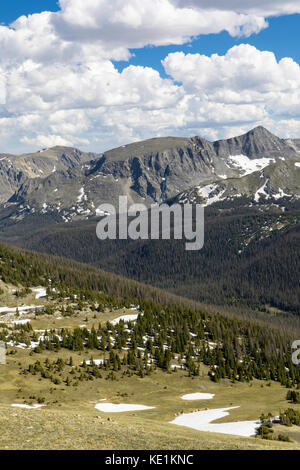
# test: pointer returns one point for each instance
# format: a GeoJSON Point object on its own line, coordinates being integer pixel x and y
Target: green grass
{"type": "Point", "coordinates": [87, 429]}
{"type": "Point", "coordinates": [70, 421]}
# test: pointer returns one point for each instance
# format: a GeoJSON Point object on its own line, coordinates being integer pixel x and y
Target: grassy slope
{"type": "Point", "coordinates": [74, 423]}
{"type": "Point", "coordinates": [70, 420]}
{"type": "Point", "coordinates": [69, 429]}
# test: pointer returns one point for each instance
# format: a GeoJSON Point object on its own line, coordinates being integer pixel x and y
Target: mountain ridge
{"type": "Point", "coordinates": [17, 169]}
{"type": "Point", "coordinates": [152, 171]}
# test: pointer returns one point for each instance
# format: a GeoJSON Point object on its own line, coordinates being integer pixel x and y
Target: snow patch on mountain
{"type": "Point", "coordinates": [82, 196]}
{"type": "Point", "coordinates": [211, 193]}
{"type": "Point", "coordinates": [261, 192]}
{"type": "Point", "coordinates": [280, 194]}
{"type": "Point", "coordinates": [247, 165]}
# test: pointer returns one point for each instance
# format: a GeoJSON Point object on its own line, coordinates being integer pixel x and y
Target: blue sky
{"type": "Point", "coordinates": [86, 76]}
{"type": "Point", "coordinates": [281, 37]}
{"type": "Point", "coordinates": [11, 10]}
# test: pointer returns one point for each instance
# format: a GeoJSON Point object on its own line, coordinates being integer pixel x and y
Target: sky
{"type": "Point", "coordinates": [97, 74]}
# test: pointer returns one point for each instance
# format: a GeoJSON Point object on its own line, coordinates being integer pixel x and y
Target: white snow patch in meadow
{"type": "Point", "coordinates": [21, 322]}
{"type": "Point", "coordinates": [201, 421]}
{"type": "Point", "coordinates": [297, 164]}
{"type": "Point", "coordinates": [28, 407]}
{"type": "Point", "coordinates": [121, 408]}
{"type": "Point", "coordinates": [32, 345]}
{"type": "Point", "coordinates": [198, 396]}
{"type": "Point", "coordinates": [23, 309]}
{"type": "Point", "coordinates": [126, 319]}
{"type": "Point", "coordinates": [40, 292]}
{"type": "Point", "coordinates": [97, 362]}
{"type": "Point", "coordinates": [247, 165]}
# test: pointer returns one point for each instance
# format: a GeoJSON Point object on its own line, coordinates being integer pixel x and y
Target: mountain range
{"type": "Point", "coordinates": [249, 185]}
{"type": "Point", "coordinates": [67, 184]}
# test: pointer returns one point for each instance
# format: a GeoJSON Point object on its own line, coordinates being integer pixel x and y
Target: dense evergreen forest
{"type": "Point", "coordinates": [251, 258]}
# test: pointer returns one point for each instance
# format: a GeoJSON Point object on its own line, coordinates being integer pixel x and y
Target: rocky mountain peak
{"type": "Point", "coordinates": [73, 184]}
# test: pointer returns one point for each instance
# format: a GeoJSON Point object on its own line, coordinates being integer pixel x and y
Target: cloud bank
{"type": "Point", "coordinates": [59, 86]}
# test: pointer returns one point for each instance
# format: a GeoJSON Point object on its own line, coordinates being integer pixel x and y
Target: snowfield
{"type": "Point", "coordinates": [24, 309]}
{"type": "Point", "coordinates": [121, 408]}
{"type": "Point", "coordinates": [206, 193]}
{"type": "Point", "coordinates": [261, 192]}
{"type": "Point", "coordinates": [40, 292]}
{"type": "Point", "coordinates": [21, 322]}
{"type": "Point", "coordinates": [97, 362]}
{"type": "Point", "coordinates": [126, 319]}
{"type": "Point", "coordinates": [32, 345]}
{"type": "Point", "coordinates": [247, 165]}
{"type": "Point", "coordinates": [28, 407]}
{"type": "Point", "coordinates": [201, 421]}
{"type": "Point", "coordinates": [198, 396]}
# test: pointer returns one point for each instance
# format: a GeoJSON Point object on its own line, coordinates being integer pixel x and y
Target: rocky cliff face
{"type": "Point", "coordinates": [11, 178]}
{"type": "Point", "coordinates": [257, 143]}
{"type": "Point", "coordinates": [18, 169]}
{"type": "Point", "coordinates": [157, 170]}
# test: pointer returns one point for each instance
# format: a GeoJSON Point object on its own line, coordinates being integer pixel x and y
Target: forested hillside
{"type": "Point", "coordinates": [251, 257]}
{"type": "Point", "coordinates": [233, 348]}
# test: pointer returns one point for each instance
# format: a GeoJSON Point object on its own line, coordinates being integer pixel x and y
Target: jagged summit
{"type": "Point", "coordinates": [72, 184]}
{"type": "Point", "coordinates": [257, 143]}
{"type": "Point", "coordinates": [260, 131]}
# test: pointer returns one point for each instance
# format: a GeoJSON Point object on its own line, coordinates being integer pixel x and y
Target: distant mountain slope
{"type": "Point", "coordinates": [157, 170]}
{"type": "Point", "coordinates": [250, 256]}
{"type": "Point", "coordinates": [275, 184]}
{"type": "Point", "coordinates": [18, 169]}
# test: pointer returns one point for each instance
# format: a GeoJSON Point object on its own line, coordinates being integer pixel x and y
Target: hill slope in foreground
{"type": "Point", "coordinates": [83, 344]}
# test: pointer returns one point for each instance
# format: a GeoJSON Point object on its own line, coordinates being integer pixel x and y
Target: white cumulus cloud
{"type": "Point", "coordinates": [256, 7]}
{"type": "Point", "coordinates": [59, 85]}
{"type": "Point", "coordinates": [244, 75]}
